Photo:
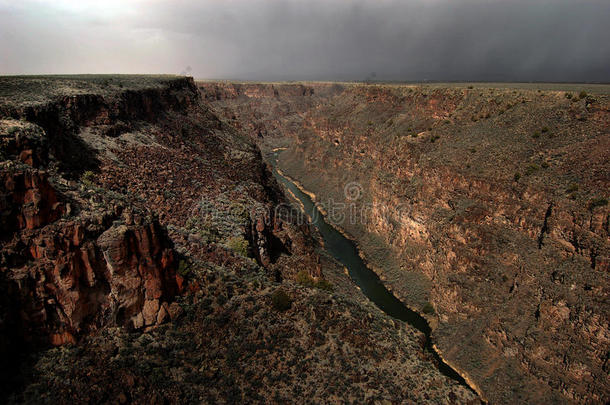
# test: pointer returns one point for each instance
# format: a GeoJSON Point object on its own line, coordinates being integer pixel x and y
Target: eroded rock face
{"type": "Point", "coordinates": [27, 200]}
{"type": "Point", "coordinates": [76, 283]}
{"type": "Point", "coordinates": [72, 263]}
{"type": "Point", "coordinates": [89, 257]}
{"type": "Point", "coordinates": [23, 141]}
{"type": "Point", "coordinates": [141, 273]}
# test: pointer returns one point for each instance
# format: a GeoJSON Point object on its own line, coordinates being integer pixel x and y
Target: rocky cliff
{"type": "Point", "coordinates": [484, 207]}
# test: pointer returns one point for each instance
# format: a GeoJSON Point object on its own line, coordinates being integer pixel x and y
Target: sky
{"type": "Point", "coordinates": [410, 40]}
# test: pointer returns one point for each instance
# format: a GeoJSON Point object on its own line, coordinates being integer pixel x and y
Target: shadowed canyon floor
{"type": "Point", "coordinates": [143, 258]}
{"type": "Point", "coordinates": [483, 206]}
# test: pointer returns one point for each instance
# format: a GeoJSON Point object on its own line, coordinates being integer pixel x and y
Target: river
{"type": "Point", "coordinates": [345, 252]}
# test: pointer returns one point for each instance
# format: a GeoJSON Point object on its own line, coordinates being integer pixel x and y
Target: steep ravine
{"type": "Point", "coordinates": [346, 251]}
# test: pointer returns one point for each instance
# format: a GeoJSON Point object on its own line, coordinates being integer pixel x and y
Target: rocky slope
{"type": "Point", "coordinates": [485, 207]}
{"type": "Point", "coordinates": [141, 235]}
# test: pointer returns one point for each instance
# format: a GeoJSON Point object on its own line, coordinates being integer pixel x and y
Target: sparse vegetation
{"type": "Point", "coordinates": [239, 245]}
{"type": "Point", "coordinates": [183, 268]}
{"type": "Point", "coordinates": [305, 279]}
{"type": "Point", "coordinates": [88, 178]}
{"type": "Point", "coordinates": [517, 176]}
{"type": "Point", "coordinates": [205, 230]}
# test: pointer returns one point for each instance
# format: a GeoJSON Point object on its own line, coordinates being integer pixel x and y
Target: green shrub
{"type": "Point", "coordinates": [568, 95]}
{"type": "Point", "coordinates": [428, 309]}
{"type": "Point", "coordinates": [183, 268]}
{"type": "Point", "coordinates": [305, 279]}
{"type": "Point", "coordinates": [239, 245]}
{"type": "Point", "coordinates": [544, 130]}
{"type": "Point", "coordinates": [323, 284]}
{"type": "Point", "coordinates": [545, 165]}
{"type": "Point", "coordinates": [517, 176]}
{"type": "Point", "coordinates": [582, 94]}
{"type": "Point", "coordinates": [597, 202]}
{"type": "Point", "coordinates": [88, 178]}
{"type": "Point", "coordinates": [12, 130]}
{"type": "Point", "coordinates": [572, 188]}
{"type": "Point", "coordinates": [192, 222]}
{"type": "Point", "coordinates": [280, 300]}
{"type": "Point", "coordinates": [536, 135]}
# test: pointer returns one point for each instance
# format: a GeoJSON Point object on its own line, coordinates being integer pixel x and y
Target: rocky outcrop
{"type": "Point", "coordinates": [73, 262]}
{"type": "Point", "coordinates": [27, 200]}
{"type": "Point", "coordinates": [74, 281]}
{"type": "Point", "coordinates": [24, 142]}
{"type": "Point", "coordinates": [141, 273]}
{"type": "Point", "coordinates": [112, 114]}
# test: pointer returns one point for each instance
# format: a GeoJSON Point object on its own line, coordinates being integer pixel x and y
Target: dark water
{"type": "Point", "coordinates": [345, 251]}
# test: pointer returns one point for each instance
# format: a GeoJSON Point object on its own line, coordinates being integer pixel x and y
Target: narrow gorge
{"type": "Point", "coordinates": [148, 255]}
{"type": "Point", "coordinates": [346, 252]}
{"type": "Point", "coordinates": [483, 207]}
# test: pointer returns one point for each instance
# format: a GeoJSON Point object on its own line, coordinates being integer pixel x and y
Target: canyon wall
{"type": "Point", "coordinates": [485, 208]}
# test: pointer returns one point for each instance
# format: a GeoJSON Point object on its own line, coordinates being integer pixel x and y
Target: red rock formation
{"type": "Point", "coordinates": [76, 283]}
{"type": "Point", "coordinates": [24, 142]}
{"type": "Point", "coordinates": [140, 272]}
{"type": "Point", "coordinates": [27, 200]}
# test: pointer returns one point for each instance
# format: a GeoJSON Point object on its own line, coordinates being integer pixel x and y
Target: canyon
{"type": "Point", "coordinates": [150, 253]}
{"type": "Point", "coordinates": [484, 207]}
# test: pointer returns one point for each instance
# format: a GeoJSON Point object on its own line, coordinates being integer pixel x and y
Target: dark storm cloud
{"type": "Point", "coordinates": [547, 40]}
